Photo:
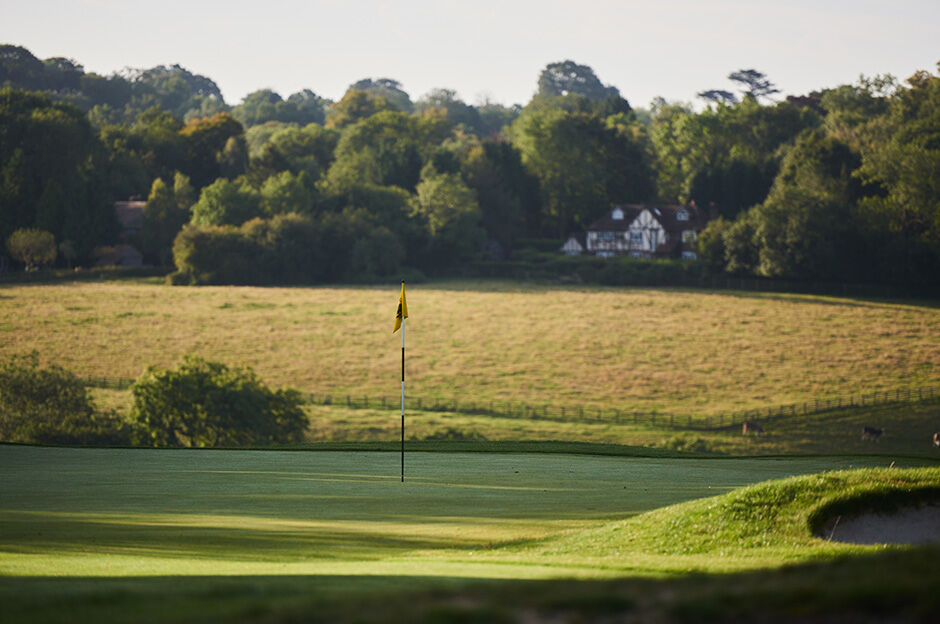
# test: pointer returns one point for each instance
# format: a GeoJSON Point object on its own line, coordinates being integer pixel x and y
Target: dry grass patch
{"type": "Point", "coordinates": [684, 352]}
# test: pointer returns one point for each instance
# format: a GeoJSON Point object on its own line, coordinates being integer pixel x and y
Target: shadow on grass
{"type": "Point", "coordinates": [897, 585]}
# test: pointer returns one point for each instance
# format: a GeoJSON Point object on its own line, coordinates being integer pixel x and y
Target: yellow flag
{"type": "Point", "coordinates": [402, 309]}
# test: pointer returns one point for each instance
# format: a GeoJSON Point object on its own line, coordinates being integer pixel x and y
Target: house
{"type": "Point", "coordinates": [643, 231]}
{"type": "Point", "coordinates": [130, 214]}
{"type": "Point", "coordinates": [575, 245]}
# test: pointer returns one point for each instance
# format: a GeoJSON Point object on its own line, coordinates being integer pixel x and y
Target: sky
{"type": "Point", "coordinates": [486, 49]}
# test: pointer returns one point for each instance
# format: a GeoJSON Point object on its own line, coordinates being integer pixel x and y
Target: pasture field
{"type": "Point", "coordinates": [908, 431]}
{"type": "Point", "coordinates": [681, 352]}
{"type": "Point", "coordinates": [184, 535]}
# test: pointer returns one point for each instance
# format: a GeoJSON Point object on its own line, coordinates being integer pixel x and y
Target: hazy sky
{"type": "Point", "coordinates": [670, 48]}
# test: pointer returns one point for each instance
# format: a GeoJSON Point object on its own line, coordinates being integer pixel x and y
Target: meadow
{"type": "Point", "coordinates": [104, 534]}
{"type": "Point", "coordinates": [689, 353]}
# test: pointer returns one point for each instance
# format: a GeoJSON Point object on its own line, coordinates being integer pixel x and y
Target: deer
{"type": "Point", "coordinates": [871, 433]}
{"type": "Point", "coordinates": [751, 426]}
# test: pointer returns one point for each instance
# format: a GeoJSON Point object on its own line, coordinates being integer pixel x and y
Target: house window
{"type": "Point", "coordinates": [688, 255]}
{"type": "Point", "coordinates": [605, 236]}
{"type": "Point", "coordinates": [636, 236]}
{"type": "Point", "coordinates": [682, 215]}
{"type": "Point", "coordinates": [617, 214]}
{"type": "Point", "coordinates": [688, 236]}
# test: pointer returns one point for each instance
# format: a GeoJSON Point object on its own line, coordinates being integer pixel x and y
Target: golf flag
{"type": "Point", "coordinates": [402, 309]}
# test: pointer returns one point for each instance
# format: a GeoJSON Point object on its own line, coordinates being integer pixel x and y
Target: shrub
{"type": "Point", "coordinates": [32, 247]}
{"type": "Point", "coordinates": [52, 406]}
{"type": "Point", "coordinates": [205, 403]}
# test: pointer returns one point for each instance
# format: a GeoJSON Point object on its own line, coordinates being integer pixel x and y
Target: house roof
{"type": "Point", "coordinates": [579, 237]}
{"type": "Point", "coordinates": [666, 214]}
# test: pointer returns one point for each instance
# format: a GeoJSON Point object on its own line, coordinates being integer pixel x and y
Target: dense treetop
{"type": "Point", "coordinates": [835, 184]}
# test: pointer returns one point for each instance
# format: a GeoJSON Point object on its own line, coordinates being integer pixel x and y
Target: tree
{"type": "Point", "coordinates": [902, 161]}
{"type": "Point", "coordinates": [286, 192]}
{"type": "Point", "coordinates": [753, 83]}
{"type": "Point", "coordinates": [166, 212]}
{"type": "Point", "coordinates": [355, 106]}
{"type": "Point", "coordinates": [204, 403]}
{"type": "Point", "coordinates": [388, 89]}
{"type": "Point", "coordinates": [508, 195]}
{"type": "Point", "coordinates": [718, 96]}
{"type": "Point", "coordinates": [453, 108]}
{"type": "Point", "coordinates": [386, 149]}
{"type": "Point", "coordinates": [559, 79]}
{"type": "Point", "coordinates": [51, 406]}
{"type": "Point", "coordinates": [226, 203]}
{"type": "Point", "coordinates": [33, 248]}
{"type": "Point", "coordinates": [265, 105]}
{"type": "Point", "coordinates": [215, 147]}
{"type": "Point", "coordinates": [49, 148]}
{"type": "Point", "coordinates": [727, 155]}
{"type": "Point", "coordinates": [582, 165]}
{"type": "Point", "coordinates": [452, 214]}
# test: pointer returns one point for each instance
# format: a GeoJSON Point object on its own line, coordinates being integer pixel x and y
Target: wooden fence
{"type": "Point", "coordinates": [587, 413]}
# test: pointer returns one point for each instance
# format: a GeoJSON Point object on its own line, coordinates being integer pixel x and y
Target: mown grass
{"type": "Point", "coordinates": [677, 351]}
{"type": "Point", "coordinates": [108, 535]}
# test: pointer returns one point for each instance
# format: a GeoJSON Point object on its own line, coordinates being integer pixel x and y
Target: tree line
{"type": "Point", "coordinates": [836, 184]}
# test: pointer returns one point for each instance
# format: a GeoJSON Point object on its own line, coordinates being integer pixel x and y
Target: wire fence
{"type": "Point", "coordinates": [596, 414]}
{"type": "Point", "coordinates": [513, 409]}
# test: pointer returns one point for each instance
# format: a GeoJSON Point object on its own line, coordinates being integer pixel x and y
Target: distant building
{"type": "Point", "coordinates": [130, 215]}
{"type": "Point", "coordinates": [642, 231]}
{"type": "Point", "coordinates": [575, 245]}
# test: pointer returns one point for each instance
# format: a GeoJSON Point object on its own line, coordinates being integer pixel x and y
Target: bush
{"type": "Point", "coordinates": [32, 247]}
{"type": "Point", "coordinates": [205, 403]}
{"type": "Point", "coordinates": [52, 406]}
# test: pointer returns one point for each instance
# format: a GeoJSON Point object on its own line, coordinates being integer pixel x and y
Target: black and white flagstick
{"type": "Point", "coordinates": [402, 393]}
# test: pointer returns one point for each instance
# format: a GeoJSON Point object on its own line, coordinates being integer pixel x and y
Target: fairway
{"type": "Point", "coordinates": [682, 352]}
{"type": "Point", "coordinates": [103, 535]}
{"type": "Point", "coordinates": [100, 512]}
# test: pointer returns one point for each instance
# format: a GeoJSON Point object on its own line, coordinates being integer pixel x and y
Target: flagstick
{"type": "Point", "coordinates": [403, 400]}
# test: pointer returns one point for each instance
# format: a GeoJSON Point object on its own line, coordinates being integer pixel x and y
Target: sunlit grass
{"type": "Point", "coordinates": [96, 533]}
{"type": "Point", "coordinates": [682, 352]}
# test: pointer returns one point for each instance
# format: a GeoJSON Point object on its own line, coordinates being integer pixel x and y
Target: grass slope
{"type": "Point", "coordinates": [683, 352]}
{"type": "Point", "coordinates": [106, 534]}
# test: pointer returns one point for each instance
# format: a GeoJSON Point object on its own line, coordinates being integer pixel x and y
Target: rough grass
{"type": "Point", "coordinates": [108, 535]}
{"type": "Point", "coordinates": [683, 352]}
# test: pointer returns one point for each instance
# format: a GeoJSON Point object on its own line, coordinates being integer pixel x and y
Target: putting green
{"type": "Point", "coordinates": [119, 513]}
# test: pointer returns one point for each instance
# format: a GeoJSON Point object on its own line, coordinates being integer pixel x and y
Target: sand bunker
{"type": "Point", "coordinates": [911, 525]}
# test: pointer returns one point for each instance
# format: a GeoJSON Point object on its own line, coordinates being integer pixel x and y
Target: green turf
{"type": "Point", "coordinates": [97, 532]}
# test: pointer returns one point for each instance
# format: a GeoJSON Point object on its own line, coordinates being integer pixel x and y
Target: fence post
{"type": "Point", "coordinates": [348, 402]}
{"type": "Point", "coordinates": [562, 412]}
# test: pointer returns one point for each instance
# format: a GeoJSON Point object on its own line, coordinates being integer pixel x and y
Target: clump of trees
{"type": "Point", "coordinates": [50, 405]}
{"type": "Point", "coordinates": [200, 403]}
{"type": "Point", "coordinates": [838, 184]}
{"type": "Point", "coordinates": [205, 404]}
{"type": "Point", "coordinates": [855, 196]}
